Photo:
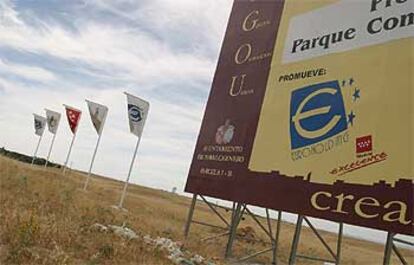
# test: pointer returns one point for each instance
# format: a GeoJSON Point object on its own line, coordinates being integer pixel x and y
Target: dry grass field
{"type": "Point", "coordinates": [45, 219]}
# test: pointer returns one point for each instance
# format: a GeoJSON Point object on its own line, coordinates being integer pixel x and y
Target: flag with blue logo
{"type": "Point", "coordinates": [137, 113]}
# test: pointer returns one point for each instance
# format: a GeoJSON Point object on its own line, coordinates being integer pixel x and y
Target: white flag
{"type": "Point", "coordinates": [98, 115]}
{"type": "Point", "coordinates": [137, 114]}
{"type": "Point", "coordinates": [39, 124]}
{"type": "Point", "coordinates": [53, 119]}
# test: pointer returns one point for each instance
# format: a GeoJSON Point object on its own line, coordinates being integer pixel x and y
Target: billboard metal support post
{"type": "Point", "coordinates": [190, 216]}
{"type": "Point", "coordinates": [390, 247]}
{"type": "Point", "coordinates": [273, 239]}
{"type": "Point", "coordinates": [339, 243]}
{"type": "Point", "coordinates": [215, 211]}
{"type": "Point", "coordinates": [292, 258]}
{"type": "Point", "coordinates": [293, 253]}
{"type": "Point", "coordinates": [212, 207]}
{"type": "Point", "coordinates": [227, 229]}
{"type": "Point", "coordinates": [277, 235]}
{"type": "Point", "coordinates": [230, 229]}
{"type": "Point", "coordinates": [235, 220]}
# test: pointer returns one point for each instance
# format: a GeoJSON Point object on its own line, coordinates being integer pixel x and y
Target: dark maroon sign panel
{"type": "Point", "coordinates": [220, 163]}
{"type": "Point", "coordinates": [237, 93]}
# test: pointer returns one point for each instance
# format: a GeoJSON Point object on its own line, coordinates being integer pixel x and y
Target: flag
{"type": "Point", "coordinates": [52, 118]}
{"type": "Point", "coordinates": [137, 114]}
{"type": "Point", "coordinates": [39, 124]}
{"type": "Point", "coordinates": [73, 116]}
{"type": "Point", "coordinates": [98, 114]}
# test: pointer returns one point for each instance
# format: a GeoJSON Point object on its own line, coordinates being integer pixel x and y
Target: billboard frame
{"type": "Point", "coordinates": [296, 238]}
{"type": "Point", "coordinates": [390, 247]}
{"type": "Point", "coordinates": [238, 211]}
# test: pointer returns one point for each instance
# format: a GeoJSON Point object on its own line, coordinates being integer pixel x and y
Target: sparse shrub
{"type": "Point", "coordinates": [106, 251]}
{"type": "Point", "coordinates": [23, 181]}
{"type": "Point", "coordinates": [104, 215]}
{"type": "Point", "coordinates": [28, 231]}
{"type": "Point", "coordinates": [67, 196]}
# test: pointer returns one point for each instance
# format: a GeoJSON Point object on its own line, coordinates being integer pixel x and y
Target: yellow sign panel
{"type": "Point", "coordinates": [339, 98]}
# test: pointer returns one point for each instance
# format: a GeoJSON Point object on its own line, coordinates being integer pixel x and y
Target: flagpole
{"type": "Point", "coordinates": [70, 150]}
{"type": "Point", "coordinates": [121, 202]}
{"type": "Point", "coordinates": [37, 148]}
{"type": "Point", "coordinates": [93, 160]}
{"type": "Point", "coordinates": [50, 149]}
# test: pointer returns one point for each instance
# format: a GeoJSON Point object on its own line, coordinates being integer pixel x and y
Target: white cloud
{"type": "Point", "coordinates": [7, 13]}
{"type": "Point", "coordinates": [28, 72]}
{"type": "Point", "coordinates": [135, 54]}
{"type": "Point", "coordinates": [195, 18]}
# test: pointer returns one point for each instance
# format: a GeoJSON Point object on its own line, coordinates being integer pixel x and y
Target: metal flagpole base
{"type": "Point", "coordinates": [37, 149]}
{"type": "Point", "coordinates": [88, 177]}
{"type": "Point", "coordinates": [82, 190]}
{"type": "Point", "coordinates": [69, 152]}
{"type": "Point", "coordinates": [124, 191]}
{"type": "Point", "coordinates": [50, 150]}
{"type": "Point", "coordinates": [116, 207]}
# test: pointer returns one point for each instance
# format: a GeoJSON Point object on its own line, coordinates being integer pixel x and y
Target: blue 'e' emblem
{"type": "Point", "coordinates": [134, 112]}
{"type": "Point", "coordinates": [317, 112]}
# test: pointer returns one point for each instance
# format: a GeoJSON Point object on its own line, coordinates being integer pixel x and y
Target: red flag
{"type": "Point", "coordinates": [73, 117]}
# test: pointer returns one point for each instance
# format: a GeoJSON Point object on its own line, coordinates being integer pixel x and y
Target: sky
{"type": "Point", "coordinates": [55, 52]}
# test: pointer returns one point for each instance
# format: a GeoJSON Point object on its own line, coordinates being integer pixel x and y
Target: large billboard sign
{"type": "Point", "coordinates": [311, 112]}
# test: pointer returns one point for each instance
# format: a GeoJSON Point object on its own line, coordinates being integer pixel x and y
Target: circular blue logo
{"type": "Point", "coordinates": [135, 113]}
